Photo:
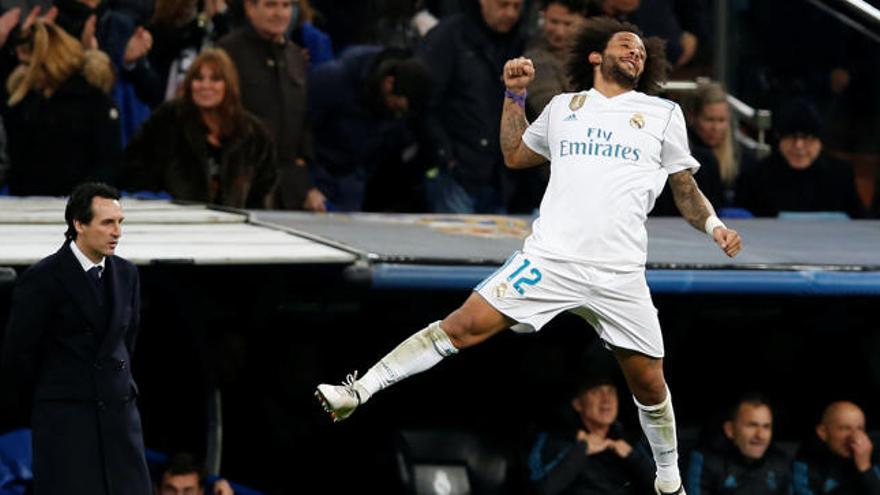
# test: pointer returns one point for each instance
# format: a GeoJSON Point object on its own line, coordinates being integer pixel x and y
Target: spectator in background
{"type": "Point", "coordinates": [466, 54]}
{"type": "Point", "coordinates": [839, 459]}
{"type": "Point", "coordinates": [183, 476]}
{"type": "Point", "coordinates": [711, 130]}
{"type": "Point", "coordinates": [742, 461]}
{"type": "Point", "coordinates": [63, 127]}
{"type": "Point", "coordinates": [365, 109]}
{"type": "Point", "coordinates": [116, 28]}
{"type": "Point", "coordinates": [180, 31]}
{"type": "Point", "coordinates": [799, 176]}
{"type": "Point", "coordinates": [549, 51]}
{"type": "Point", "coordinates": [273, 76]}
{"type": "Point", "coordinates": [205, 146]}
{"type": "Point", "coordinates": [597, 456]}
{"type": "Point", "coordinates": [302, 31]}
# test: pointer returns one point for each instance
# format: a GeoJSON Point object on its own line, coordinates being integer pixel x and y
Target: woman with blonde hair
{"type": "Point", "coordinates": [204, 146]}
{"type": "Point", "coordinates": [63, 127]}
{"type": "Point", "coordinates": [711, 128]}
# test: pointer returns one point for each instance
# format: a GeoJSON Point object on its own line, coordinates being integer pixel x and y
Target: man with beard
{"type": "Point", "coordinates": [611, 149]}
{"type": "Point", "coordinates": [743, 460]}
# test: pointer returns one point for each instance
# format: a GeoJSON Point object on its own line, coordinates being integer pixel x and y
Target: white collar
{"type": "Point", "coordinates": [84, 260]}
{"type": "Point", "coordinates": [595, 92]}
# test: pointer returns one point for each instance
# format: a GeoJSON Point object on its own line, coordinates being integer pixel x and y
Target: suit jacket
{"type": "Point", "coordinates": [86, 428]}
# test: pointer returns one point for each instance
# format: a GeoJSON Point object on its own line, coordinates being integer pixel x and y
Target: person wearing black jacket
{"type": "Point", "coordinates": [839, 460]}
{"type": "Point", "coordinates": [466, 53]}
{"type": "Point", "coordinates": [799, 176]}
{"type": "Point", "coordinates": [742, 461]}
{"type": "Point", "coordinates": [599, 457]}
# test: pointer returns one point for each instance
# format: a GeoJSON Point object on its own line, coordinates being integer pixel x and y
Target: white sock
{"type": "Point", "coordinates": [658, 423]}
{"type": "Point", "coordinates": [420, 352]}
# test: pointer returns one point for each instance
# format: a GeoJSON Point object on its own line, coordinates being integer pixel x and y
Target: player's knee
{"type": "Point", "coordinates": [650, 388]}
{"type": "Point", "coordinates": [461, 330]}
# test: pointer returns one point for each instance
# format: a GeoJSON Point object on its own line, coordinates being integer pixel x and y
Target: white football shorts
{"type": "Point", "coordinates": [532, 290]}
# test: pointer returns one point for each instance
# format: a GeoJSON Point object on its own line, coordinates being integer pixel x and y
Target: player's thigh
{"type": "Point", "coordinates": [474, 321]}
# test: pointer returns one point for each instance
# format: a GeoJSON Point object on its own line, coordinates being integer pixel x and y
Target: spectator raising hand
{"type": "Point", "coordinates": [138, 45]}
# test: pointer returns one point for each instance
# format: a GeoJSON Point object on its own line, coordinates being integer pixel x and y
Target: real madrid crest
{"type": "Point", "coordinates": [577, 101]}
{"type": "Point", "coordinates": [637, 121]}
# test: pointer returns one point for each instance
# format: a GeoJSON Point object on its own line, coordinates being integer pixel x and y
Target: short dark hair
{"type": "Point", "coordinates": [183, 463]}
{"type": "Point", "coordinates": [594, 37]}
{"type": "Point", "coordinates": [412, 78]}
{"type": "Point", "coordinates": [751, 398]}
{"type": "Point", "coordinates": [79, 204]}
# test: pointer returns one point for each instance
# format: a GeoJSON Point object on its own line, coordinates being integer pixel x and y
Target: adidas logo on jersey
{"type": "Point", "coordinates": [570, 118]}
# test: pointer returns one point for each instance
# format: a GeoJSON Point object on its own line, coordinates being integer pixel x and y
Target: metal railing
{"type": "Point", "coordinates": [759, 119]}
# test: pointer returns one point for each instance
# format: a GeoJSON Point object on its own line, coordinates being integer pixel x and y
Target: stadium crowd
{"type": "Point", "coordinates": [387, 105]}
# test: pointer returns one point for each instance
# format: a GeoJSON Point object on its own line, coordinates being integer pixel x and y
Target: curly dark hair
{"type": "Point", "coordinates": [594, 37]}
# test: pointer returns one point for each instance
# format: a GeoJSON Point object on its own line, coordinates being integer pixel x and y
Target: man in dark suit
{"type": "Point", "coordinates": [72, 331]}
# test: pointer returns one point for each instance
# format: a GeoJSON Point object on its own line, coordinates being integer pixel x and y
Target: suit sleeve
{"type": "Point", "coordinates": [134, 321]}
{"type": "Point", "coordinates": [29, 318]}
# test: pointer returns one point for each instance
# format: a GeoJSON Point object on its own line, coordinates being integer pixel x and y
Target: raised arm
{"type": "Point", "coordinates": [698, 212]}
{"type": "Point", "coordinates": [518, 73]}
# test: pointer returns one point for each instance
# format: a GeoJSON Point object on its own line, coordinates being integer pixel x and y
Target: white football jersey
{"type": "Point", "coordinates": [609, 160]}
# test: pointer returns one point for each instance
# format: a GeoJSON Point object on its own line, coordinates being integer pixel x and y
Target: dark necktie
{"type": "Point", "coordinates": [94, 274]}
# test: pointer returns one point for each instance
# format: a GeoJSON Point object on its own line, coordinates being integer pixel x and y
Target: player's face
{"type": "Point", "coordinates": [597, 406]}
{"type": "Point", "coordinates": [180, 484]}
{"type": "Point", "coordinates": [752, 430]}
{"type": "Point", "coordinates": [713, 123]}
{"type": "Point", "coordinates": [800, 150]}
{"type": "Point", "coordinates": [624, 59]}
{"type": "Point", "coordinates": [840, 430]}
{"type": "Point", "coordinates": [560, 26]}
{"type": "Point", "coordinates": [269, 18]}
{"type": "Point", "coordinates": [501, 15]}
{"type": "Point", "coordinates": [208, 88]}
{"type": "Point", "coordinates": [100, 236]}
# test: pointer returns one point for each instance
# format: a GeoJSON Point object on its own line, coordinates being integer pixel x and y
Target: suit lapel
{"type": "Point", "coordinates": [74, 279]}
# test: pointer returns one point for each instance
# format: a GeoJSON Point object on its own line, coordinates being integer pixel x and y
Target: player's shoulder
{"type": "Point", "coordinates": [569, 98]}
{"type": "Point", "coordinates": [654, 101]}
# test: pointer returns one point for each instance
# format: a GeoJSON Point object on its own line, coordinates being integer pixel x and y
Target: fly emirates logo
{"type": "Point", "coordinates": [599, 143]}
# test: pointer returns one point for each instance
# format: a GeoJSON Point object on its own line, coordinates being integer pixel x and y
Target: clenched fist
{"type": "Point", "coordinates": [518, 73]}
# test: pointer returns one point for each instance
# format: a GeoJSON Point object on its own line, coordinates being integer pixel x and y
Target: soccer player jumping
{"type": "Point", "coordinates": [611, 147]}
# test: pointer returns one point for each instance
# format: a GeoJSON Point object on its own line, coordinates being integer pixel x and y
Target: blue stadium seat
{"type": "Point", "coordinates": [15, 462]}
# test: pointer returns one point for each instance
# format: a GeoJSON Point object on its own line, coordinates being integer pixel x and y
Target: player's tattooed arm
{"type": "Point", "coordinates": [691, 202]}
{"type": "Point", "coordinates": [513, 125]}
{"type": "Point", "coordinates": [517, 75]}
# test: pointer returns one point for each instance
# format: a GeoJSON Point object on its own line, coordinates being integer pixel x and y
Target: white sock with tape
{"type": "Point", "coordinates": [420, 352]}
{"type": "Point", "coordinates": [658, 423]}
